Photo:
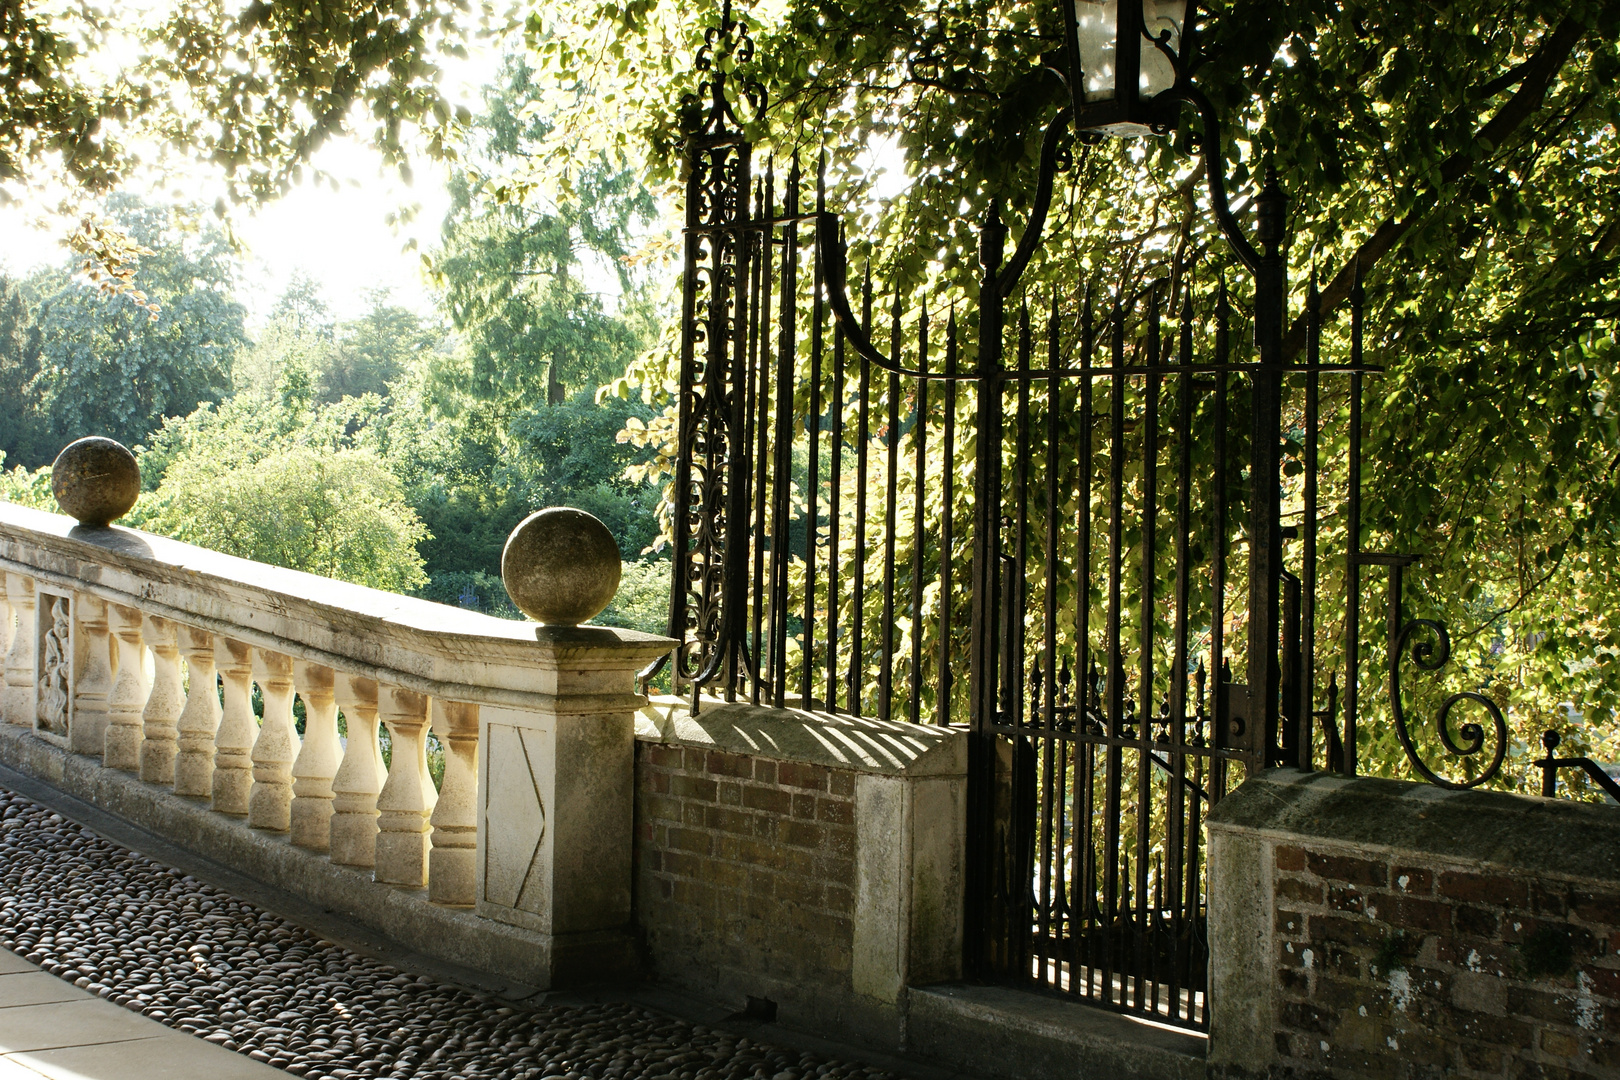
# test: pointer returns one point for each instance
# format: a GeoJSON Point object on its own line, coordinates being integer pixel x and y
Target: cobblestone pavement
{"type": "Point", "coordinates": [162, 943]}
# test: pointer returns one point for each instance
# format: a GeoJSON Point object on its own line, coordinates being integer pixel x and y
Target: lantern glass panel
{"type": "Point", "coordinates": [1097, 22]}
{"type": "Point", "coordinates": [1160, 16]}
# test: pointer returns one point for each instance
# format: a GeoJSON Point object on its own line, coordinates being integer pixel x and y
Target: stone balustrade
{"type": "Point", "coordinates": [149, 655]}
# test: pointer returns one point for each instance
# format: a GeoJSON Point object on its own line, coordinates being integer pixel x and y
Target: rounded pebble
{"type": "Point", "coordinates": [162, 943]}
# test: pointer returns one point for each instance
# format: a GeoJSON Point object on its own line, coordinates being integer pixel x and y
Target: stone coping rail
{"type": "Point", "coordinates": [810, 737]}
{"type": "Point", "coordinates": [145, 652]}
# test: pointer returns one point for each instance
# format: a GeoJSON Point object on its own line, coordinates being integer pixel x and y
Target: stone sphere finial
{"type": "Point", "coordinates": [95, 480]}
{"type": "Point", "coordinates": [561, 566]}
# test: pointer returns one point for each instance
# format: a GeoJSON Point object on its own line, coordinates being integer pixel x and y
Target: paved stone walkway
{"type": "Point", "coordinates": [51, 1028]}
{"type": "Point", "coordinates": [175, 951]}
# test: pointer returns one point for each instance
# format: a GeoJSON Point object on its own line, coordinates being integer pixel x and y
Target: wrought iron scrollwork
{"type": "Point", "coordinates": [1430, 651]}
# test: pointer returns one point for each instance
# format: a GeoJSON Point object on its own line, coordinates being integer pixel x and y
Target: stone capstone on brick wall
{"type": "Point", "coordinates": [1373, 928]}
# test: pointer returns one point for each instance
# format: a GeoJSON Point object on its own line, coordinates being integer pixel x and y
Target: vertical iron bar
{"type": "Point", "coordinates": [1115, 661]}
{"type": "Point", "coordinates": [1084, 856]}
{"type": "Point", "coordinates": [1217, 589]}
{"type": "Point", "coordinates": [1308, 529]}
{"type": "Point", "coordinates": [1023, 826]}
{"type": "Point", "coordinates": [891, 521]}
{"type": "Point", "coordinates": [1175, 819]}
{"type": "Point", "coordinates": [1352, 557]}
{"type": "Point", "coordinates": [761, 464]}
{"type": "Point", "coordinates": [1051, 801]}
{"type": "Point", "coordinates": [946, 532]}
{"type": "Point", "coordinates": [782, 484]}
{"type": "Point", "coordinates": [918, 532]}
{"type": "Point", "coordinates": [1144, 986]}
{"type": "Point", "coordinates": [857, 625]}
{"type": "Point", "coordinates": [836, 562]}
{"type": "Point", "coordinates": [981, 923]}
{"type": "Point", "coordinates": [812, 486]}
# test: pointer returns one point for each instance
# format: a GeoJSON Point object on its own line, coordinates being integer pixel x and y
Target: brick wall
{"type": "Point", "coordinates": [1403, 931]}
{"type": "Point", "coordinates": [1394, 966]}
{"type": "Point", "coordinates": [745, 872]}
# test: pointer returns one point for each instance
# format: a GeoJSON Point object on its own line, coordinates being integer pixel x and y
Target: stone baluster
{"type": "Point", "coordinates": [127, 700]}
{"type": "Point", "coordinates": [233, 768]}
{"type": "Point", "coordinates": [270, 804]}
{"type": "Point", "coordinates": [359, 779]}
{"type": "Point", "coordinates": [317, 761]}
{"type": "Point", "coordinates": [452, 862]}
{"type": "Point", "coordinates": [407, 798]}
{"type": "Point", "coordinates": [19, 676]}
{"type": "Point", "coordinates": [94, 656]}
{"type": "Point", "coordinates": [199, 720]}
{"type": "Point", "coordinates": [163, 703]}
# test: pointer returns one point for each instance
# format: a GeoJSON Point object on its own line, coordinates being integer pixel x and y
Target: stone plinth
{"type": "Point", "coordinates": [808, 858]}
{"type": "Point", "coordinates": [556, 801]}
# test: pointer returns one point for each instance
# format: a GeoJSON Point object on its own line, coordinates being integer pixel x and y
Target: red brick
{"type": "Point", "coordinates": [1412, 879]}
{"type": "Point", "coordinates": [1290, 858]}
{"type": "Point", "coordinates": [663, 757]}
{"type": "Point", "coordinates": [1605, 982]}
{"type": "Point", "coordinates": [1540, 1005]}
{"type": "Point", "coordinates": [730, 793]}
{"type": "Point", "coordinates": [683, 864]}
{"type": "Point", "coordinates": [1343, 931]}
{"type": "Point", "coordinates": [1603, 908]}
{"type": "Point", "coordinates": [837, 811]}
{"type": "Point", "coordinates": [841, 783]}
{"type": "Point", "coordinates": [1478, 922]}
{"type": "Point", "coordinates": [661, 808]}
{"type": "Point", "coordinates": [841, 841]}
{"type": "Point", "coordinates": [695, 787]}
{"type": "Point", "coordinates": [659, 782]}
{"type": "Point", "coordinates": [1288, 922]}
{"type": "Point", "coordinates": [719, 763]}
{"type": "Point", "coordinates": [732, 821]}
{"type": "Point", "coordinates": [840, 900]}
{"type": "Point", "coordinates": [1414, 913]}
{"type": "Point", "coordinates": [1488, 957]}
{"type": "Point", "coordinates": [793, 774]}
{"type": "Point", "coordinates": [1497, 889]}
{"type": "Point", "coordinates": [804, 806]}
{"type": "Point", "coordinates": [1549, 899]}
{"type": "Point", "coordinates": [764, 771]}
{"type": "Point", "coordinates": [801, 834]}
{"type": "Point", "coordinates": [770, 800]}
{"type": "Point", "coordinates": [1345, 898]}
{"type": "Point", "coordinates": [693, 760]}
{"type": "Point", "coordinates": [1347, 869]}
{"type": "Point", "coordinates": [690, 840]}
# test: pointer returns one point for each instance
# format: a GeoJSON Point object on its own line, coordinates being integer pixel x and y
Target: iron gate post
{"type": "Point", "coordinates": [1265, 473]}
{"type": "Point", "coordinates": [984, 684]}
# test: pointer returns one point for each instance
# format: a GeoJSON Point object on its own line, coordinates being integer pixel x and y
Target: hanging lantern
{"type": "Point", "coordinates": [1123, 56]}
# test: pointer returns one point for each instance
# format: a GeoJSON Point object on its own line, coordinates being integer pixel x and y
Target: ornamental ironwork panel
{"type": "Point", "coordinates": [1100, 546]}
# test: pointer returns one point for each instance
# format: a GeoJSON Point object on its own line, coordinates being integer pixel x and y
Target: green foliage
{"type": "Point", "coordinates": [1466, 159]}
{"type": "Point", "coordinates": [520, 274]}
{"type": "Point", "coordinates": [74, 362]}
{"type": "Point", "coordinates": [27, 488]}
{"type": "Point", "coordinates": [352, 359]}
{"type": "Point", "coordinates": [642, 602]}
{"type": "Point", "coordinates": [339, 513]}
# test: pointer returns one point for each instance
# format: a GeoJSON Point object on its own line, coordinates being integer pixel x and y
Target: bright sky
{"type": "Point", "coordinates": [342, 239]}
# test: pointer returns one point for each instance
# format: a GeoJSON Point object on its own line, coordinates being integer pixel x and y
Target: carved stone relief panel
{"type": "Point", "coordinates": [53, 660]}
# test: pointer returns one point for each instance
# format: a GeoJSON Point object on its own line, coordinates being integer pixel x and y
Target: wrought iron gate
{"type": "Point", "coordinates": [1121, 564]}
